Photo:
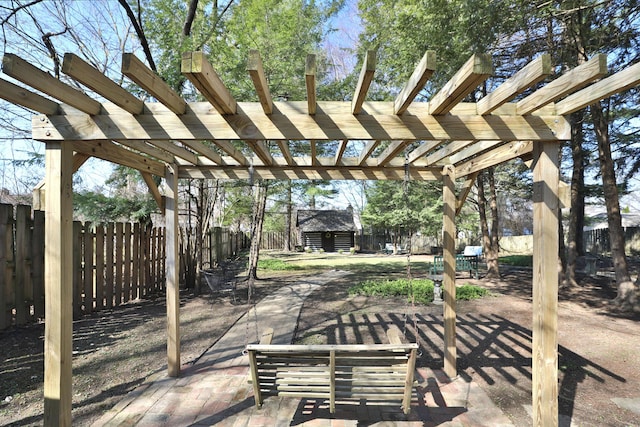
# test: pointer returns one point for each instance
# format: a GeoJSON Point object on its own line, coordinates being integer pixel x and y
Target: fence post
{"type": "Point", "coordinates": [100, 267]}
{"type": "Point", "coordinates": [118, 264]}
{"type": "Point", "coordinates": [127, 263]}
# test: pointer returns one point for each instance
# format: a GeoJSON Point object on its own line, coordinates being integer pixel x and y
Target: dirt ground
{"type": "Point", "coordinates": [116, 351]}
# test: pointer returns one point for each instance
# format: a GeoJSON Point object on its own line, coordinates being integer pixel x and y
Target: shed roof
{"type": "Point", "coordinates": [325, 220]}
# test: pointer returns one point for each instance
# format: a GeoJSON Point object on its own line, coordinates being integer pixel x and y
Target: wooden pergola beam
{"type": "Point", "coordinates": [364, 81]}
{"type": "Point", "coordinates": [342, 146]}
{"type": "Point", "coordinates": [367, 151]}
{"type": "Point", "coordinates": [21, 70]}
{"type": "Point", "coordinates": [310, 80]}
{"type": "Point", "coordinates": [205, 151]}
{"type": "Point", "coordinates": [153, 189]}
{"type": "Point", "coordinates": [21, 96]}
{"type": "Point", "coordinates": [150, 150]}
{"type": "Point", "coordinates": [107, 150]}
{"type": "Point", "coordinates": [491, 158]}
{"type": "Point", "coordinates": [313, 152]}
{"type": "Point", "coordinates": [310, 173]}
{"type": "Point", "coordinates": [286, 152]}
{"type": "Point", "coordinates": [475, 71]}
{"type": "Point", "coordinates": [229, 148]}
{"type": "Point", "coordinates": [422, 150]}
{"type": "Point", "coordinates": [175, 150]}
{"type": "Point", "coordinates": [473, 150]}
{"type": "Point", "coordinates": [256, 72]}
{"type": "Point", "coordinates": [143, 76]}
{"type": "Point", "coordinates": [465, 190]}
{"type": "Point", "coordinates": [617, 83]}
{"type": "Point", "coordinates": [534, 72]}
{"type": "Point", "coordinates": [569, 82]}
{"type": "Point", "coordinates": [416, 82]}
{"type": "Point", "coordinates": [199, 71]}
{"type": "Point", "coordinates": [448, 150]}
{"type": "Point", "coordinates": [262, 151]}
{"type": "Point", "coordinates": [82, 72]}
{"type": "Point", "coordinates": [391, 151]}
{"type": "Point", "coordinates": [290, 123]}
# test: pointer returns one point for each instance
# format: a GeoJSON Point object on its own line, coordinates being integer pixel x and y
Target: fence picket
{"type": "Point", "coordinates": [118, 264]}
{"type": "Point", "coordinates": [87, 270]}
{"type": "Point", "coordinates": [6, 264]}
{"type": "Point", "coordinates": [109, 266]}
{"type": "Point", "coordinates": [22, 268]}
{"type": "Point", "coordinates": [112, 264]}
{"type": "Point", "coordinates": [37, 268]}
{"type": "Point", "coordinates": [127, 263]}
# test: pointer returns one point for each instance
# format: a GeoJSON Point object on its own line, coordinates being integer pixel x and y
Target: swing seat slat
{"type": "Point", "coordinates": [374, 372]}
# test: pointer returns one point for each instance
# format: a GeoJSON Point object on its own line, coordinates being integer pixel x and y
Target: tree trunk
{"type": "Point", "coordinates": [484, 225]}
{"type": "Point", "coordinates": [576, 217]}
{"type": "Point", "coordinates": [493, 268]}
{"type": "Point", "coordinates": [260, 202]}
{"type": "Point", "coordinates": [288, 219]}
{"type": "Point", "coordinates": [628, 292]}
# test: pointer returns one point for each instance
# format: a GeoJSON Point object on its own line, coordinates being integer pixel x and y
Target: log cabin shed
{"type": "Point", "coordinates": [330, 230]}
{"type": "Point", "coordinates": [442, 139]}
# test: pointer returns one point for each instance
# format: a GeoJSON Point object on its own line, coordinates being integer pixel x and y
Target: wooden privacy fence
{"type": "Point", "coordinates": [112, 264]}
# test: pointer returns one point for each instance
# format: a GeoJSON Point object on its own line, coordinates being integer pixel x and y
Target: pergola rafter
{"type": "Point", "coordinates": [443, 139]}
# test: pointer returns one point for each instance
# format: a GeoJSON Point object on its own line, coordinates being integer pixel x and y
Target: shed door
{"type": "Point", "coordinates": [328, 242]}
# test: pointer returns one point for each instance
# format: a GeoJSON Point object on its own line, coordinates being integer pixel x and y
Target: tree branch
{"type": "Point", "coordinates": [191, 15]}
{"type": "Point", "coordinates": [140, 32]}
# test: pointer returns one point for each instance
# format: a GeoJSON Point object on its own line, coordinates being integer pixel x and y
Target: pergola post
{"type": "Point", "coordinates": [545, 284]}
{"type": "Point", "coordinates": [173, 279]}
{"type": "Point", "coordinates": [58, 267]}
{"type": "Point", "coordinates": [449, 277]}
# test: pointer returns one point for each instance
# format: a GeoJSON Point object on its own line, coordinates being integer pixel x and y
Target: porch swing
{"type": "Point", "coordinates": [380, 373]}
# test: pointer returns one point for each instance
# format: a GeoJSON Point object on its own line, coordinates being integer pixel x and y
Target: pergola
{"type": "Point", "coordinates": [443, 139]}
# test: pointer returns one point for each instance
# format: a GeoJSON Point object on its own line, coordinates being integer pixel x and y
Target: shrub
{"type": "Point", "coordinates": [468, 292]}
{"type": "Point", "coordinates": [422, 290]}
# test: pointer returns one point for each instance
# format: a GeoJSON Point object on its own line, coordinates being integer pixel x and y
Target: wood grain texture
{"type": "Point", "coordinates": [364, 81]}
{"type": "Point", "coordinates": [532, 73]}
{"type": "Point", "coordinates": [21, 96]}
{"type": "Point", "coordinates": [567, 83]}
{"type": "Point", "coordinates": [109, 151]}
{"type": "Point", "coordinates": [82, 72]}
{"type": "Point", "coordinates": [475, 71]}
{"type": "Point", "coordinates": [58, 333]}
{"type": "Point", "coordinates": [21, 70]}
{"type": "Point", "coordinates": [416, 82]}
{"type": "Point", "coordinates": [494, 157]}
{"type": "Point", "coordinates": [143, 76]}
{"type": "Point", "coordinates": [199, 71]}
{"type": "Point", "coordinates": [310, 80]}
{"type": "Point", "coordinates": [617, 83]}
{"type": "Point", "coordinates": [173, 276]}
{"type": "Point", "coordinates": [545, 285]}
{"type": "Point", "coordinates": [449, 277]}
{"type": "Point", "coordinates": [256, 72]}
{"type": "Point", "coordinates": [290, 123]}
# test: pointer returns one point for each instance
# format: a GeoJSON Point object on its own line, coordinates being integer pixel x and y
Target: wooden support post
{"type": "Point", "coordinates": [449, 278]}
{"type": "Point", "coordinates": [545, 284]}
{"type": "Point", "coordinates": [173, 284]}
{"type": "Point", "coordinates": [58, 284]}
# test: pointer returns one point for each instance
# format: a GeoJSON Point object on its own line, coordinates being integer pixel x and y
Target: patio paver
{"type": "Point", "coordinates": [215, 389]}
